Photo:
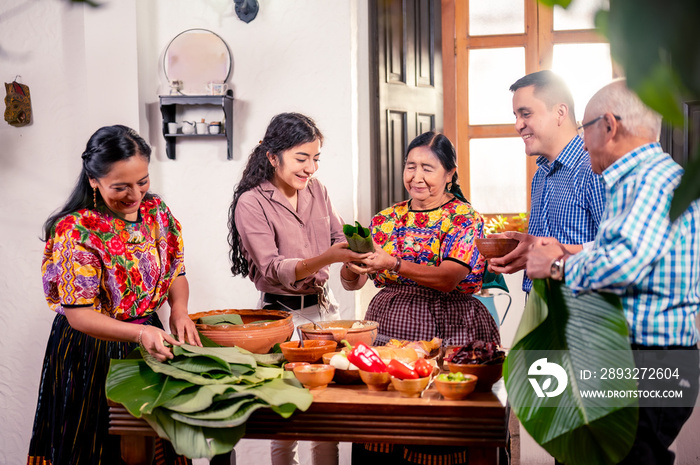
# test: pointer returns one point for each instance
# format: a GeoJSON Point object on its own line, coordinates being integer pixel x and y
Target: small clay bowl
{"type": "Point", "coordinates": [291, 365]}
{"type": "Point", "coordinates": [312, 351]}
{"type": "Point", "coordinates": [410, 387]}
{"type": "Point", "coordinates": [342, 376]}
{"type": "Point", "coordinates": [495, 247]}
{"type": "Point", "coordinates": [314, 376]}
{"type": "Point", "coordinates": [456, 390]}
{"type": "Point", "coordinates": [487, 375]}
{"type": "Point", "coordinates": [375, 381]}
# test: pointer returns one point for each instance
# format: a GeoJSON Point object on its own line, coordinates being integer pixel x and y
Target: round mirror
{"type": "Point", "coordinates": [196, 57]}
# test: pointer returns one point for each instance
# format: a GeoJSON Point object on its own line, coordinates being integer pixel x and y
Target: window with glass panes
{"type": "Point", "coordinates": [487, 46]}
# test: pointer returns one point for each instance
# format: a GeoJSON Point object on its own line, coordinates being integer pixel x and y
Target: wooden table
{"type": "Point", "coordinates": [351, 413]}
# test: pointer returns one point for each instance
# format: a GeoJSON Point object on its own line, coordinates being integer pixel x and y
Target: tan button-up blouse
{"type": "Point", "coordinates": [275, 237]}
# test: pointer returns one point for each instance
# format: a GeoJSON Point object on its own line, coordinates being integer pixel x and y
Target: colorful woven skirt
{"type": "Point", "coordinates": [72, 417]}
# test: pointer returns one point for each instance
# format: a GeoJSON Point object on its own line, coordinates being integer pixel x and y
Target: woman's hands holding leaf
{"type": "Point", "coordinates": [374, 262]}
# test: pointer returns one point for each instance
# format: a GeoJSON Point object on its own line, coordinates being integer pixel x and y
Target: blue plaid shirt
{"type": "Point", "coordinates": [568, 198]}
{"type": "Point", "coordinates": [638, 254]}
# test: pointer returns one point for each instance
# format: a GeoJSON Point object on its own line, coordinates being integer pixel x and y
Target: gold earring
{"type": "Point", "coordinates": [94, 197]}
{"type": "Point", "coordinates": [448, 187]}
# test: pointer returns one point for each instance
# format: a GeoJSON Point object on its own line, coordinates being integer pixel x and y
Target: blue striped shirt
{"type": "Point", "coordinates": [568, 198]}
{"type": "Point", "coordinates": [638, 254]}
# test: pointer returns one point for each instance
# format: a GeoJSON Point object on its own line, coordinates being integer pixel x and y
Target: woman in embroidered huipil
{"type": "Point", "coordinates": [426, 262]}
{"type": "Point", "coordinates": [428, 268]}
{"type": "Point", "coordinates": [113, 255]}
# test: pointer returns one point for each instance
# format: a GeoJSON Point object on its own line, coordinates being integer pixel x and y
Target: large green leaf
{"type": "Point", "coordinates": [277, 392]}
{"type": "Point", "coordinates": [132, 383]}
{"type": "Point", "coordinates": [194, 441]}
{"type": "Point", "coordinates": [238, 413]}
{"type": "Point", "coordinates": [170, 370]}
{"type": "Point", "coordinates": [201, 364]}
{"type": "Point", "coordinates": [196, 399]}
{"type": "Point", "coordinates": [584, 332]}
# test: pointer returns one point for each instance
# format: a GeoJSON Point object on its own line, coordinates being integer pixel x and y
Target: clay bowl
{"type": "Point", "coordinates": [375, 381]}
{"type": "Point", "coordinates": [260, 331]}
{"type": "Point", "coordinates": [487, 375]}
{"type": "Point", "coordinates": [342, 376]}
{"type": "Point", "coordinates": [291, 365]}
{"type": "Point", "coordinates": [410, 387]}
{"type": "Point", "coordinates": [456, 390]}
{"type": "Point", "coordinates": [342, 329]}
{"type": "Point", "coordinates": [311, 352]}
{"type": "Point", "coordinates": [314, 376]}
{"type": "Point", "coordinates": [494, 248]}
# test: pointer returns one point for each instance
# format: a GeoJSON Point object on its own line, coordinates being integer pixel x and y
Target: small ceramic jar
{"type": "Point", "coordinates": [215, 127]}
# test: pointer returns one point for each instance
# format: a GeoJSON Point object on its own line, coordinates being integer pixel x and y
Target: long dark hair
{"type": "Point", "coordinates": [106, 146]}
{"type": "Point", "coordinates": [285, 131]}
{"type": "Point", "coordinates": [441, 146]}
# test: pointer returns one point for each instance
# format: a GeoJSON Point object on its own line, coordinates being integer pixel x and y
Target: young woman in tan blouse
{"type": "Point", "coordinates": [284, 234]}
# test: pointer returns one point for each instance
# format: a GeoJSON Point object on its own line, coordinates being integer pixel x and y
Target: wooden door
{"type": "Point", "coordinates": [406, 74]}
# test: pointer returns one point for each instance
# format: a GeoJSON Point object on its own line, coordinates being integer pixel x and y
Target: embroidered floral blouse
{"type": "Point", "coordinates": [120, 268]}
{"type": "Point", "coordinates": [431, 237]}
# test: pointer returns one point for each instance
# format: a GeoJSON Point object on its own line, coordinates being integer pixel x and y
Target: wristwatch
{"type": "Point", "coordinates": [556, 269]}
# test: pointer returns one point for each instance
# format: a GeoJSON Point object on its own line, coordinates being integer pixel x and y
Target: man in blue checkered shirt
{"type": "Point", "coordinates": [567, 197]}
{"type": "Point", "coordinates": [651, 263]}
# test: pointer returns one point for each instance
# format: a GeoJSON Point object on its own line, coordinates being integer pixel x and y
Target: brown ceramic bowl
{"type": "Point", "coordinates": [314, 376]}
{"type": "Point", "coordinates": [291, 365]}
{"type": "Point", "coordinates": [456, 390]}
{"type": "Point", "coordinates": [365, 331]}
{"type": "Point", "coordinates": [494, 248]}
{"type": "Point", "coordinates": [347, 377]}
{"type": "Point", "coordinates": [375, 381]}
{"type": "Point", "coordinates": [260, 331]}
{"type": "Point", "coordinates": [410, 387]}
{"type": "Point", "coordinates": [311, 352]}
{"type": "Point", "coordinates": [487, 375]}
{"type": "Point", "coordinates": [342, 376]}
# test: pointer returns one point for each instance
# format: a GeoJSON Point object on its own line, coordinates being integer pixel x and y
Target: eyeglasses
{"type": "Point", "coordinates": [595, 120]}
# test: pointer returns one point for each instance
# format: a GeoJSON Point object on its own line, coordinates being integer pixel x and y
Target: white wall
{"type": "Point", "coordinates": [91, 67]}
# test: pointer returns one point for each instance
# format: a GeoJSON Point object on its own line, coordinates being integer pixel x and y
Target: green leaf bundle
{"type": "Point", "coordinates": [201, 399]}
{"type": "Point", "coordinates": [359, 238]}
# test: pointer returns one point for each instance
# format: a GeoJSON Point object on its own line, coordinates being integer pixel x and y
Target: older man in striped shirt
{"type": "Point", "coordinates": [649, 261]}
{"type": "Point", "coordinates": [567, 197]}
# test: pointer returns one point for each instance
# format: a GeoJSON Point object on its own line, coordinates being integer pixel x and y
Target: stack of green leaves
{"type": "Point", "coordinates": [359, 238]}
{"type": "Point", "coordinates": [201, 399]}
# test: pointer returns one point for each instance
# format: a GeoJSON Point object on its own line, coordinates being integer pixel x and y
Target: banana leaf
{"type": "Point", "coordinates": [199, 416]}
{"type": "Point", "coordinates": [577, 333]}
{"type": "Point", "coordinates": [276, 392]}
{"type": "Point", "coordinates": [195, 441]}
{"type": "Point", "coordinates": [225, 319]}
{"type": "Point", "coordinates": [195, 363]}
{"type": "Point", "coordinates": [132, 383]}
{"type": "Point", "coordinates": [359, 238]}
{"type": "Point", "coordinates": [194, 378]}
{"type": "Point", "coordinates": [196, 398]}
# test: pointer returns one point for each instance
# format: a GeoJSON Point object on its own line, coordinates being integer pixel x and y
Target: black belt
{"type": "Point", "coordinates": [286, 302]}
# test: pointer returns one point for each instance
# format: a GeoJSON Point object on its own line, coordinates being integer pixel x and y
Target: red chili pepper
{"type": "Point", "coordinates": [400, 370]}
{"type": "Point", "coordinates": [364, 358]}
{"type": "Point", "coordinates": [423, 368]}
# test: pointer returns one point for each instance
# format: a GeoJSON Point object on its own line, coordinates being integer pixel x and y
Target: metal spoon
{"type": "Point", "coordinates": [299, 314]}
{"type": "Point", "coordinates": [301, 337]}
